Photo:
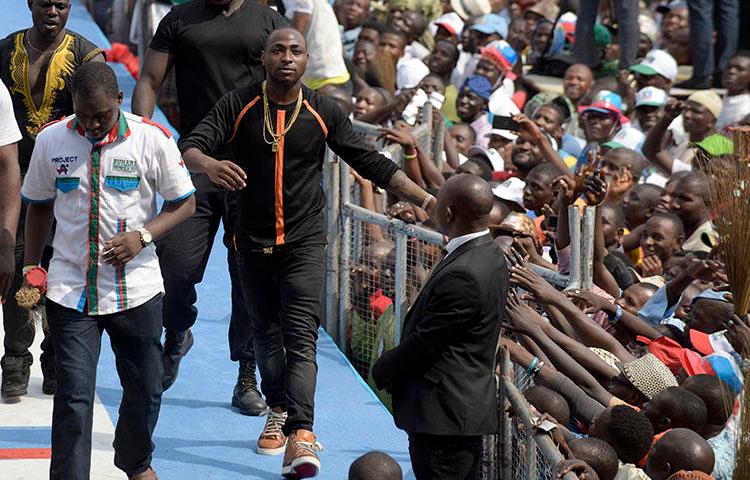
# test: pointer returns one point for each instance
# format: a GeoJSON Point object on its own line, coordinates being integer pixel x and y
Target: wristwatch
{"type": "Point", "coordinates": [146, 238]}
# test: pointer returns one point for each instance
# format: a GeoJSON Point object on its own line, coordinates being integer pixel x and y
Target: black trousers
{"type": "Point", "coordinates": [284, 291]}
{"type": "Point", "coordinates": [438, 457]}
{"type": "Point", "coordinates": [135, 335]}
{"type": "Point", "coordinates": [19, 331]}
{"type": "Point", "coordinates": [183, 255]}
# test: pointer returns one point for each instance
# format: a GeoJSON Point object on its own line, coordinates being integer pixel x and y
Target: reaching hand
{"type": "Point", "coordinates": [651, 266]}
{"type": "Point", "coordinates": [595, 189]}
{"type": "Point", "coordinates": [226, 174]}
{"type": "Point", "coordinates": [527, 129]}
{"type": "Point", "coordinates": [707, 271]}
{"type": "Point", "coordinates": [738, 334]}
{"type": "Point", "coordinates": [529, 280]}
{"type": "Point", "coordinates": [579, 468]}
{"type": "Point", "coordinates": [673, 109]}
{"type": "Point", "coordinates": [523, 319]}
{"type": "Point", "coordinates": [404, 211]}
{"type": "Point", "coordinates": [591, 302]}
{"type": "Point", "coordinates": [626, 83]}
{"type": "Point", "coordinates": [399, 135]}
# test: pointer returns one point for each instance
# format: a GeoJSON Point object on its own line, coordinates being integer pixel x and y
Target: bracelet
{"type": "Point", "coordinates": [537, 369]}
{"type": "Point", "coordinates": [412, 156]}
{"type": "Point", "coordinates": [618, 315]}
{"type": "Point", "coordinates": [533, 364]}
{"type": "Point", "coordinates": [426, 202]}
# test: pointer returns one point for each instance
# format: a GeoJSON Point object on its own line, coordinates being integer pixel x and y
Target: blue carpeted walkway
{"type": "Point", "coordinates": [199, 436]}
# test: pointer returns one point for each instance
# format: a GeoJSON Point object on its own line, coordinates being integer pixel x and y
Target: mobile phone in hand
{"type": "Point", "coordinates": [504, 123]}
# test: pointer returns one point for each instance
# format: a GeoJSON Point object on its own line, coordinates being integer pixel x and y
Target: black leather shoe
{"type": "Point", "coordinates": [49, 384]}
{"type": "Point", "coordinates": [176, 346]}
{"type": "Point", "coordinates": [15, 378]}
{"type": "Point", "coordinates": [246, 396]}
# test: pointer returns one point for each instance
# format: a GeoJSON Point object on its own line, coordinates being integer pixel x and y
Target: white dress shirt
{"type": "Point", "coordinates": [456, 242]}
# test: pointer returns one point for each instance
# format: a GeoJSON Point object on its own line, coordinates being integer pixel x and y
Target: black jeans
{"type": "Point", "coordinates": [183, 254]}
{"type": "Point", "coordinates": [438, 457]}
{"type": "Point", "coordinates": [284, 291]}
{"type": "Point", "coordinates": [135, 336]}
{"type": "Point", "coordinates": [19, 331]}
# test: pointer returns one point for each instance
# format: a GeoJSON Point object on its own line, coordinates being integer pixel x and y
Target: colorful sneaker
{"type": "Point", "coordinates": [272, 440]}
{"type": "Point", "coordinates": [301, 456]}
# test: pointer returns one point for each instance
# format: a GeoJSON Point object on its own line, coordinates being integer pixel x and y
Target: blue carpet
{"type": "Point", "coordinates": [198, 435]}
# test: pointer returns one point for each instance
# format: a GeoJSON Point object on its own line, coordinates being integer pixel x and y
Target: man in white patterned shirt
{"type": "Point", "coordinates": [97, 174]}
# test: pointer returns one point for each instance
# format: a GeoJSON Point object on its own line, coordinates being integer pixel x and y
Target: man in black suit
{"type": "Point", "coordinates": [441, 376]}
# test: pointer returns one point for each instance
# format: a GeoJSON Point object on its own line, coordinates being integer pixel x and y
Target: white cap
{"type": "Point", "coordinates": [451, 22]}
{"type": "Point", "coordinates": [471, 8]}
{"type": "Point", "coordinates": [507, 134]}
{"type": "Point", "coordinates": [627, 137]}
{"type": "Point", "coordinates": [657, 62]}
{"type": "Point", "coordinates": [650, 97]}
{"type": "Point", "coordinates": [510, 190]}
{"type": "Point", "coordinates": [648, 27]}
{"type": "Point", "coordinates": [496, 161]}
{"type": "Point", "coordinates": [410, 72]}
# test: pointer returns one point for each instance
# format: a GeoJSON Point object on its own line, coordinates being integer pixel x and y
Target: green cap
{"type": "Point", "coordinates": [602, 37]}
{"type": "Point", "coordinates": [715, 145]}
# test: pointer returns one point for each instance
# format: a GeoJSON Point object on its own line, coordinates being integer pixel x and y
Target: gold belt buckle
{"type": "Point", "coordinates": [267, 250]}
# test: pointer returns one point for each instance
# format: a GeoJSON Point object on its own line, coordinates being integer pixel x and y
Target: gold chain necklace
{"type": "Point", "coordinates": [268, 124]}
{"type": "Point", "coordinates": [28, 42]}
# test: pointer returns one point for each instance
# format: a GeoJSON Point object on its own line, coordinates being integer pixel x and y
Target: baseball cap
{"type": "Point", "coordinates": [648, 27]}
{"type": "Point", "coordinates": [547, 9]}
{"type": "Point", "coordinates": [410, 72]}
{"type": "Point", "coordinates": [511, 190]}
{"type": "Point", "coordinates": [657, 62]}
{"type": "Point", "coordinates": [515, 223]}
{"type": "Point", "coordinates": [627, 137]}
{"type": "Point", "coordinates": [709, 99]}
{"type": "Point", "coordinates": [604, 102]}
{"type": "Point", "coordinates": [451, 22]}
{"type": "Point", "coordinates": [491, 23]}
{"type": "Point", "coordinates": [664, 9]}
{"type": "Point", "coordinates": [479, 85]}
{"type": "Point", "coordinates": [501, 54]}
{"type": "Point", "coordinates": [496, 161]}
{"type": "Point", "coordinates": [651, 97]}
{"type": "Point", "coordinates": [715, 145]}
{"type": "Point", "coordinates": [470, 8]}
{"type": "Point", "coordinates": [648, 375]}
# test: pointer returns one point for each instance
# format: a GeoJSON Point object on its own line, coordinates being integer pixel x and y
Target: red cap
{"type": "Point", "coordinates": [666, 350]}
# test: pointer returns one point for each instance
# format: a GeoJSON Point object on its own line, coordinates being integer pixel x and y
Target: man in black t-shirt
{"type": "Point", "coordinates": [37, 65]}
{"type": "Point", "coordinates": [214, 46]}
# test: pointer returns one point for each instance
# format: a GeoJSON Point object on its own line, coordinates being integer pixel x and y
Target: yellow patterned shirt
{"type": "Point", "coordinates": [56, 101]}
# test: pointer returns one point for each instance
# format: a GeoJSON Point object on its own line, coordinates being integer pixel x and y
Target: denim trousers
{"type": "Point", "coordinates": [183, 255]}
{"type": "Point", "coordinates": [135, 336]}
{"type": "Point", "coordinates": [284, 293]}
{"type": "Point", "coordinates": [705, 17]}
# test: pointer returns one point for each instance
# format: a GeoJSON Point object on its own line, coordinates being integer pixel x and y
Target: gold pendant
{"type": "Point", "coordinates": [275, 147]}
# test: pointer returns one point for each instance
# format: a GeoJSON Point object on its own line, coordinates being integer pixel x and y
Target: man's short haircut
{"type": "Point", "coordinates": [686, 408]}
{"type": "Point", "coordinates": [484, 165]}
{"type": "Point", "coordinates": [633, 160]}
{"type": "Point", "coordinates": [673, 219]}
{"type": "Point", "coordinates": [619, 215]}
{"type": "Point", "coordinates": [715, 393]}
{"type": "Point", "coordinates": [546, 170]}
{"type": "Point", "coordinates": [387, 29]}
{"type": "Point", "coordinates": [281, 29]}
{"type": "Point", "coordinates": [454, 49]}
{"type": "Point", "coordinates": [561, 111]}
{"type": "Point", "coordinates": [373, 24]}
{"type": "Point", "coordinates": [470, 129]}
{"type": "Point", "coordinates": [375, 466]}
{"type": "Point", "coordinates": [598, 454]}
{"type": "Point", "coordinates": [93, 78]}
{"type": "Point", "coordinates": [549, 401]}
{"type": "Point", "coordinates": [630, 432]}
{"type": "Point", "coordinates": [650, 188]}
{"type": "Point", "coordinates": [741, 53]}
{"type": "Point", "coordinates": [648, 286]}
{"type": "Point", "coordinates": [696, 179]}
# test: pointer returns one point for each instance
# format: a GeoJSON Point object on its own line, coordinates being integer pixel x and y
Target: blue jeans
{"type": "Point", "coordinates": [707, 58]}
{"type": "Point", "coordinates": [585, 48]}
{"type": "Point", "coordinates": [135, 336]}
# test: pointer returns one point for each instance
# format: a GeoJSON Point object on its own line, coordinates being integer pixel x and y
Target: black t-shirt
{"type": "Point", "coordinates": [213, 54]}
{"type": "Point", "coordinates": [57, 100]}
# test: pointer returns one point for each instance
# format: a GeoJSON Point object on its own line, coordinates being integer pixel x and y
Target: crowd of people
{"type": "Point", "coordinates": [546, 104]}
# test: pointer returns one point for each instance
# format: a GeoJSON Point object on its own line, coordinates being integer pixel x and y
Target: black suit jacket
{"type": "Point", "coordinates": [441, 376]}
